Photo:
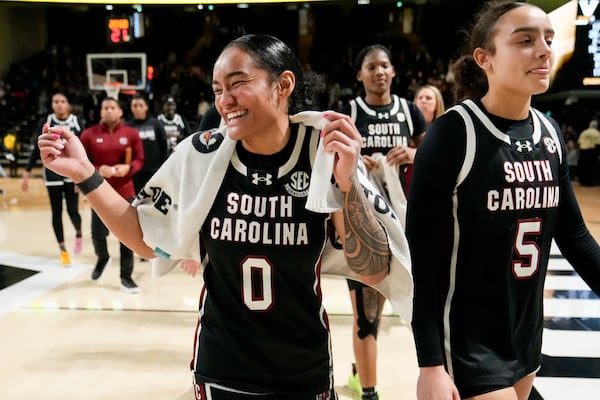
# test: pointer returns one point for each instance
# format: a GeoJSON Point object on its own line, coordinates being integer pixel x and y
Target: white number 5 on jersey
{"type": "Point", "coordinates": [528, 251]}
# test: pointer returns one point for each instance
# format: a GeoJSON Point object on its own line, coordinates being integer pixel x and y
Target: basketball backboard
{"type": "Point", "coordinates": [127, 68]}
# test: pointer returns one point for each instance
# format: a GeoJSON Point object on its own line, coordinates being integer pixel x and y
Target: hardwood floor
{"type": "Point", "coordinates": [63, 336]}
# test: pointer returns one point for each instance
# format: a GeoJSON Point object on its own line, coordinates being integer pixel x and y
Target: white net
{"type": "Point", "coordinates": [112, 89]}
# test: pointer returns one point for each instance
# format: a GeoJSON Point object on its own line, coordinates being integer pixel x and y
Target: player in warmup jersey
{"type": "Point", "coordinates": [262, 330]}
{"type": "Point", "coordinates": [176, 126]}
{"type": "Point", "coordinates": [489, 193]}
{"type": "Point", "coordinates": [59, 187]}
{"type": "Point", "coordinates": [387, 124]}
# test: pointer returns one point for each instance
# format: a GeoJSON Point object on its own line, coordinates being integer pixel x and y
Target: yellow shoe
{"type": "Point", "coordinates": [65, 259]}
{"type": "Point", "coordinates": [354, 383]}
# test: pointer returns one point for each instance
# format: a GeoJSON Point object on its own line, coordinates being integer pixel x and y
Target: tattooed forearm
{"type": "Point", "coordinates": [365, 245]}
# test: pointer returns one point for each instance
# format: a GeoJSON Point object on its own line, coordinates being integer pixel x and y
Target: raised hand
{"type": "Point", "coordinates": [62, 152]}
{"type": "Point", "coordinates": [341, 137]}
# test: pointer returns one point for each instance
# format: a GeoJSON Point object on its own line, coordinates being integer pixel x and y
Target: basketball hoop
{"type": "Point", "coordinates": [112, 89]}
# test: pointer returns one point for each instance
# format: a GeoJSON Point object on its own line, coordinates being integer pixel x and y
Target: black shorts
{"type": "Point", "coordinates": [467, 390]}
{"type": "Point", "coordinates": [215, 391]}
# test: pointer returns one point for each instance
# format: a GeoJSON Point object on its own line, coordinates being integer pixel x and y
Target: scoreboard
{"type": "Point", "coordinates": [124, 28]}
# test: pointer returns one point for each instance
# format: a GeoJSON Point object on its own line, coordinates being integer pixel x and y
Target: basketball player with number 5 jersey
{"type": "Point", "coordinates": [490, 192]}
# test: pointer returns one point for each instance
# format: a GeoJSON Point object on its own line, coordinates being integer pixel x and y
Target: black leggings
{"type": "Point", "coordinates": [56, 195]}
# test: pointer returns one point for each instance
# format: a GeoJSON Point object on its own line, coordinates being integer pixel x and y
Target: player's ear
{"type": "Point", "coordinates": [481, 58]}
{"type": "Point", "coordinates": [287, 83]}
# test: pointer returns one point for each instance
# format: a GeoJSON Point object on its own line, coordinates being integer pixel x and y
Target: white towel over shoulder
{"type": "Point", "coordinates": [386, 178]}
{"type": "Point", "coordinates": [179, 196]}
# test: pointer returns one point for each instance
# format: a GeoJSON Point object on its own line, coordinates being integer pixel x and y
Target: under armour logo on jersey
{"type": "Point", "coordinates": [523, 146]}
{"type": "Point", "coordinates": [383, 115]}
{"type": "Point", "coordinates": [207, 141]}
{"type": "Point", "coordinates": [262, 179]}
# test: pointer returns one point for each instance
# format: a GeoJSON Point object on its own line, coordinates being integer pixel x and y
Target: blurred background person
{"type": "Point", "coordinates": [430, 101]}
{"type": "Point", "coordinates": [588, 141]}
{"type": "Point", "coordinates": [176, 125]}
{"type": "Point", "coordinates": [59, 187]}
{"type": "Point", "coordinates": [108, 144]}
{"type": "Point", "coordinates": [153, 138]}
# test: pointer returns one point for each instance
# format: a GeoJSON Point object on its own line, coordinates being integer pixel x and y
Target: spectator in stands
{"type": "Point", "coordinates": [572, 158]}
{"type": "Point", "coordinates": [570, 136]}
{"type": "Point", "coordinates": [11, 147]}
{"type": "Point", "coordinates": [588, 141]}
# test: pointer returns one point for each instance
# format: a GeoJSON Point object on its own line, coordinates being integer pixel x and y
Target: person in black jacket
{"type": "Point", "coordinates": [153, 138]}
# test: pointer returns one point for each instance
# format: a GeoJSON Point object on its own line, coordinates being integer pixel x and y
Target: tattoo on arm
{"type": "Point", "coordinates": [365, 245]}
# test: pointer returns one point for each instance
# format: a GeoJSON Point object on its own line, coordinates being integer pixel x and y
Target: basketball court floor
{"type": "Point", "coordinates": [63, 336]}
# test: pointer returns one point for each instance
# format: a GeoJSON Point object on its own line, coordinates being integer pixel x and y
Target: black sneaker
{"type": "Point", "coordinates": [99, 268]}
{"type": "Point", "coordinates": [129, 286]}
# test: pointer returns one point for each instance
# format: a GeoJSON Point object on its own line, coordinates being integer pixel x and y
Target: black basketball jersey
{"type": "Point", "coordinates": [384, 127]}
{"type": "Point", "coordinates": [176, 129]}
{"type": "Point", "coordinates": [506, 203]}
{"type": "Point", "coordinates": [500, 183]}
{"type": "Point", "coordinates": [262, 324]}
{"type": "Point", "coordinates": [72, 122]}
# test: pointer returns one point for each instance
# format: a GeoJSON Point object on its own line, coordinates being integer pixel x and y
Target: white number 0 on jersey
{"type": "Point", "coordinates": [257, 300]}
